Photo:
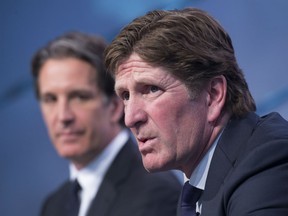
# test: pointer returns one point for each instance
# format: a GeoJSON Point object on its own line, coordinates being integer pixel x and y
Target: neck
{"type": "Point", "coordinates": [215, 130]}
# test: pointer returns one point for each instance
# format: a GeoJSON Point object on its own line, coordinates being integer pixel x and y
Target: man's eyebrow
{"type": "Point", "coordinates": [79, 91]}
{"type": "Point", "coordinates": [119, 89]}
{"type": "Point", "coordinates": [41, 94]}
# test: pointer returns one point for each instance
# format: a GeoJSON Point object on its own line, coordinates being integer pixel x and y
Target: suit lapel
{"type": "Point", "coordinates": [115, 176]}
{"type": "Point", "coordinates": [105, 196]}
{"type": "Point", "coordinates": [230, 145]}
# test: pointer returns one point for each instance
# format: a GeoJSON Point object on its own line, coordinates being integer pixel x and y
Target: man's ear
{"type": "Point", "coordinates": [217, 89]}
{"type": "Point", "coordinates": [117, 109]}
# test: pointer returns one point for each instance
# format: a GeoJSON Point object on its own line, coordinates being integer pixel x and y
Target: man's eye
{"type": "Point", "coordinates": [125, 96]}
{"type": "Point", "coordinates": [82, 96]}
{"type": "Point", "coordinates": [48, 99]}
{"type": "Point", "coordinates": [154, 89]}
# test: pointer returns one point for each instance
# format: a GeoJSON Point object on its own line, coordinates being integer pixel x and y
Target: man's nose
{"type": "Point", "coordinates": [135, 114]}
{"type": "Point", "coordinates": [65, 113]}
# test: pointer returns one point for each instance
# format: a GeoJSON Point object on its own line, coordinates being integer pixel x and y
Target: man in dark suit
{"type": "Point", "coordinates": [189, 106]}
{"type": "Point", "coordinates": [83, 117]}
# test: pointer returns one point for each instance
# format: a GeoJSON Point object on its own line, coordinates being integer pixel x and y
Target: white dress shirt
{"type": "Point", "coordinates": [91, 176]}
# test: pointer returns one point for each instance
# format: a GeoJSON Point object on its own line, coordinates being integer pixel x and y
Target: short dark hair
{"type": "Point", "coordinates": [83, 46]}
{"type": "Point", "coordinates": [191, 45]}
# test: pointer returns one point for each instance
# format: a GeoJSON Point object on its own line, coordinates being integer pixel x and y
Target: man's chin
{"type": "Point", "coordinates": [69, 155]}
{"type": "Point", "coordinates": [158, 166]}
{"type": "Point", "coordinates": [153, 167]}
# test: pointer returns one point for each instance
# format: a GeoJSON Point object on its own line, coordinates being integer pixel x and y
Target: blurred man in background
{"type": "Point", "coordinates": [84, 121]}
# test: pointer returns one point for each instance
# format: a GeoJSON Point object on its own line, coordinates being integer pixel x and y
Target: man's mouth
{"type": "Point", "coordinates": [69, 136]}
{"type": "Point", "coordinates": [145, 144]}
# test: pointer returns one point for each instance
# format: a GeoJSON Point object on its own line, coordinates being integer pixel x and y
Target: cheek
{"type": "Point", "coordinates": [179, 124]}
{"type": "Point", "coordinates": [96, 122]}
{"type": "Point", "coordinates": [48, 120]}
{"type": "Point", "coordinates": [90, 115]}
{"type": "Point", "coordinates": [171, 116]}
{"type": "Point", "coordinates": [167, 122]}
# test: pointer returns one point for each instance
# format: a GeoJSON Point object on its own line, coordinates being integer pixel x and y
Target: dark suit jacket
{"type": "Point", "coordinates": [249, 169]}
{"type": "Point", "coordinates": [127, 189]}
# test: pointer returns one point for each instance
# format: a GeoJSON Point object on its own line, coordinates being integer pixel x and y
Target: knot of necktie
{"type": "Point", "coordinates": [190, 195]}
{"type": "Point", "coordinates": [75, 187]}
{"type": "Point", "coordinates": [73, 201]}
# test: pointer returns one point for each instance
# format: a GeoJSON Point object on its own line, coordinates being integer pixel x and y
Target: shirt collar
{"type": "Point", "coordinates": [95, 171]}
{"type": "Point", "coordinates": [199, 175]}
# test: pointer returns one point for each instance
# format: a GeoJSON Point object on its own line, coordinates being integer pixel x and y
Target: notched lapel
{"type": "Point", "coordinates": [103, 200]}
{"type": "Point", "coordinates": [114, 178]}
{"type": "Point", "coordinates": [229, 148]}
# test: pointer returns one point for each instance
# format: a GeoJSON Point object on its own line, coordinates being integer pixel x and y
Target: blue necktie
{"type": "Point", "coordinates": [190, 195]}
{"type": "Point", "coordinates": [73, 202]}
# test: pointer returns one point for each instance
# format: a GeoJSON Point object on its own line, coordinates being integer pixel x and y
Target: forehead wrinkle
{"type": "Point", "coordinates": [141, 72]}
{"type": "Point", "coordinates": [136, 69]}
{"type": "Point", "coordinates": [133, 61]}
{"type": "Point", "coordinates": [155, 75]}
{"type": "Point", "coordinates": [130, 63]}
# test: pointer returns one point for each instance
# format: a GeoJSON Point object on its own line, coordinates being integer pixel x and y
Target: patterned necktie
{"type": "Point", "coordinates": [73, 204]}
{"type": "Point", "coordinates": [190, 195]}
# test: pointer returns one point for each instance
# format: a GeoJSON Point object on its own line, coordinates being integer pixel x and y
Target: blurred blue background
{"type": "Point", "coordinates": [29, 166]}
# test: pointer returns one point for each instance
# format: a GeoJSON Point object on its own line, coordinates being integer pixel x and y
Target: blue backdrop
{"type": "Point", "coordinates": [29, 166]}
